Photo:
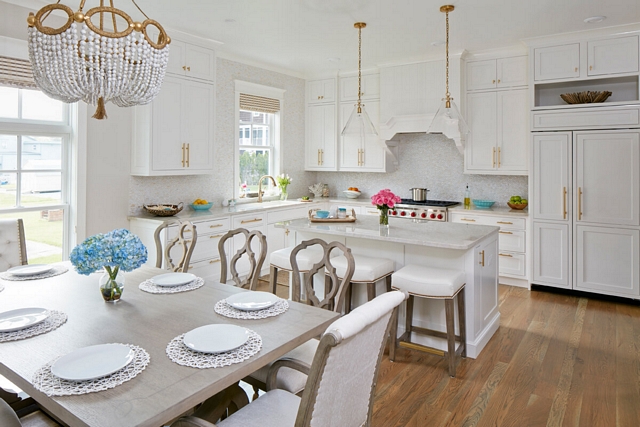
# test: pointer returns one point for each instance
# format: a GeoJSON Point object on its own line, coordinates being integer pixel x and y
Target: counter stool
{"type": "Point", "coordinates": [280, 260]}
{"type": "Point", "coordinates": [368, 271]}
{"type": "Point", "coordinates": [435, 283]}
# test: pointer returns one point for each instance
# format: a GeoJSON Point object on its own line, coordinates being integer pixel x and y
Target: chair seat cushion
{"type": "Point", "coordinates": [306, 258]}
{"type": "Point", "coordinates": [368, 269]}
{"type": "Point", "coordinates": [276, 408]}
{"type": "Point", "coordinates": [289, 379]}
{"type": "Point", "coordinates": [428, 281]}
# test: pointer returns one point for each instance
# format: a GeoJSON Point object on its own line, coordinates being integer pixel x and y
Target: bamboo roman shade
{"type": "Point", "coordinates": [259, 103]}
{"type": "Point", "coordinates": [16, 73]}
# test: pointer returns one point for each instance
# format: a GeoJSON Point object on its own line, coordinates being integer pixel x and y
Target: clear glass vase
{"type": "Point", "coordinates": [111, 284]}
{"type": "Point", "coordinates": [384, 217]}
{"type": "Point", "coordinates": [283, 193]}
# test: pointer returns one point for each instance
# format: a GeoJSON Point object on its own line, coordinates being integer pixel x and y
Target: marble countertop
{"type": "Point", "coordinates": [500, 210]}
{"type": "Point", "coordinates": [430, 233]}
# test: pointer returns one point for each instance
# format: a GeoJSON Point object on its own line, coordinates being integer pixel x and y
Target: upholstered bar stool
{"type": "Point", "coordinates": [280, 260]}
{"type": "Point", "coordinates": [368, 271]}
{"type": "Point", "coordinates": [435, 283]}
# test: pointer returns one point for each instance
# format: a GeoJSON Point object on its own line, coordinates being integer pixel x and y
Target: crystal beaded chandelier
{"type": "Point", "coordinates": [82, 61]}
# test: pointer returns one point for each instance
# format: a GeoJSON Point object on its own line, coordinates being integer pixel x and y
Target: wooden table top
{"type": "Point", "coordinates": [164, 390]}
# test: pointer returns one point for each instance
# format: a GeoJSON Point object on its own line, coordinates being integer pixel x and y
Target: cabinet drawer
{"type": "Point", "coordinates": [466, 218]}
{"type": "Point", "coordinates": [512, 241]}
{"type": "Point", "coordinates": [502, 222]}
{"type": "Point", "coordinates": [249, 221]}
{"type": "Point", "coordinates": [202, 227]}
{"type": "Point", "coordinates": [587, 118]}
{"type": "Point", "coordinates": [207, 269]}
{"type": "Point", "coordinates": [302, 212]}
{"type": "Point", "coordinates": [207, 247]}
{"type": "Point", "coordinates": [511, 263]}
{"type": "Point", "coordinates": [369, 211]}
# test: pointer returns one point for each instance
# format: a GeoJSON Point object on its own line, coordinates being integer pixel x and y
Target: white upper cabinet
{"type": "Point", "coordinates": [321, 140]}
{"type": "Point", "coordinates": [321, 91]}
{"type": "Point", "coordinates": [613, 56]}
{"type": "Point", "coordinates": [370, 87]}
{"type": "Point", "coordinates": [357, 154]}
{"type": "Point", "coordinates": [192, 61]}
{"type": "Point", "coordinates": [552, 176]}
{"type": "Point", "coordinates": [497, 73]}
{"type": "Point", "coordinates": [557, 62]}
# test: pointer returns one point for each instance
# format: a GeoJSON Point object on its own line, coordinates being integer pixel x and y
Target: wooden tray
{"type": "Point", "coordinates": [349, 218]}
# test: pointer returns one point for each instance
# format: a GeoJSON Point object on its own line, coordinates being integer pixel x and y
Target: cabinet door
{"type": "Point", "coordinates": [551, 256]}
{"type": "Point", "coordinates": [551, 176]}
{"type": "Point", "coordinates": [513, 132]}
{"type": "Point", "coordinates": [167, 152]}
{"type": "Point", "coordinates": [361, 154]}
{"type": "Point", "coordinates": [613, 56]}
{"type": "Point", "coordinates": [373, 150]}
{"type": "Point", "coordinates": [321, 137]}
{"type": "Point", "coordinates": [200, 62]}
{"type": "Point", "coordinates": [277, 238]}
{"type": "Point", "coordinates": [197, 107]}
{"type": "Point", "coordinates": [511, 72]}
{"type": "Point", "coordinates": [557, 62]}
{"type": "Point", "coordinates": [177, 57]}
{"type": "Point", "coordinates": [481, 74]}
{"type": "Point", "coordinates": [370, 87]}
{"type": "Point", "coordinates": [486, 276]}
{"type": "Point", "coordinates": [351, 145]}
{"type": "Point", "coordinates": [319, 91]}
{"type": "Point", "coordinates": [607, 188]}
{"type": "Point", "coordinates": [480, 151]}
{"type": "Point", "coordinates": [607, 260]}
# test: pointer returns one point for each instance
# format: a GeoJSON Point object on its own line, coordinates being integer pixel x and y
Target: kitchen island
{"type": "Point", "coordinates": [466, 247]}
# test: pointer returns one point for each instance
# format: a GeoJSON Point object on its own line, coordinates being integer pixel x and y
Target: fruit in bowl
{"type": "Point", "coordinates": [517, 202]}
{"type": "Point", "coordinates": [352, 192]}
{"type": "Point", "coordinates": [201, 205]}
{"type": "Point", "coordinates": [353, 189]}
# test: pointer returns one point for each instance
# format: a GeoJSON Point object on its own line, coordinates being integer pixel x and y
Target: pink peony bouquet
{"type": "Point", "coordinates": [385, 199]}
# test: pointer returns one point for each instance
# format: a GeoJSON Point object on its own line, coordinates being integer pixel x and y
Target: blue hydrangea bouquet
{"type": "Point", "coordinates": [116, 251]}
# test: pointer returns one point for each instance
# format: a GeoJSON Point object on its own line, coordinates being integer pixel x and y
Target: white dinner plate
{"type": "Point", "coordinates": [252, 301]}
{"type": "Point", "coordinates": [92, 362]}
{"type": "Point", "coordinates": [217, 338]}
{"type": "Point", "coordinates": [30, 270]}
{"type": "Point", "coordinates": [22, 318]}
{"type": "Point", "coordinates": [173, 279]}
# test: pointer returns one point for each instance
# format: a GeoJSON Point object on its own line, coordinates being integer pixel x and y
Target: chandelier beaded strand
{"type": "Point", "coordinates": [82, 61]}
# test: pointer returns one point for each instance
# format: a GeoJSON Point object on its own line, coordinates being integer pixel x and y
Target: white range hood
{"type": "Point", "coordinates": [414, 123]}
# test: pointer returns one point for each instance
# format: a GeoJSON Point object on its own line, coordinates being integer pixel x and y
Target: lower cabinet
{"type": "Point", "coordinates": [551, 254]}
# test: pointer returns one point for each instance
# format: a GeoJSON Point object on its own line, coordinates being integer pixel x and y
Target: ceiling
{"type": "Point", "coordinates": [312, 37]}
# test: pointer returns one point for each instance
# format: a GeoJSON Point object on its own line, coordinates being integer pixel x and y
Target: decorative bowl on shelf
{"type": "Point", "coordinates": [204, 207]}
{"type": "Point", "coordinates": [352, 194]}
{"type": "Point", "coordinates": [322, 214]}
{"type": "Point", "coordinates": [518, 206]}
{"type": "Point", "coordinates": [586, 97]}
{"type": "Point", "coordinates": [483, 204]}
{"type": "Point", "coordinates": [163, 209]}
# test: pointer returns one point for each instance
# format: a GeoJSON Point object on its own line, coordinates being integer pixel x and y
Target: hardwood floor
{"type": "Point", "coordinates": [556, 360]}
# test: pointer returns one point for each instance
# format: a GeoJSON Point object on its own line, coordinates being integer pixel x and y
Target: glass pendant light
{"type": "Point", "coordinates": [359, 122]}
{"type": "Point", "coordinates": [448, 120]}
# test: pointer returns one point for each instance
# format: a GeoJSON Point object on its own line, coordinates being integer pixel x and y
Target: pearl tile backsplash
{"type": "Point", "coordinates": [433, 162]}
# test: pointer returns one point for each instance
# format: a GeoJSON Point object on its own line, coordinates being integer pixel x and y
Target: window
{"type": "Point", "coordinates": [35, 136]}
{"type": "Point", "coordinates": [259, 120]}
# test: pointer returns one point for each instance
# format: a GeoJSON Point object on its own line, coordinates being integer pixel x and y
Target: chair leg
{"type": "Point", "coordinates": [451, 335]}
{"type": "Point", "coordinates": [393, 335]}
{"type": "Point", "coordinates": [371, 290]}
{"type": "Point", "coordinates": [462, 319]}
{"type": "Point", "coordinates": [388, 283]}
{"type": "Point", "coordinates": [347, 298]}
{"type": "Point", "coordinates": [273, 279]}
{"type": "Point", "coordinates": [409, 320]}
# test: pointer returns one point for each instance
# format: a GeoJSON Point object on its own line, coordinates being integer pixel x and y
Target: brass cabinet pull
{"type": "Point", "coordinates": [564, 203]}
{"type": "Point", "coordinates": [494, 82]}
{"type": "Point", "coordinates": [321, 156]}
{"type": "Point", "coordinates": [467, 219]}
{"type": "Point", "coordinates": [505, 232]}
{"type": "Point", "coordinates": [576, 70]}
{"type": "Point", "coordinates": [579, 203]}
{"type": "Point", "coordinates": [498, 80]}
{"type": "Point", "coordinates": [216, 236]}
{"type": "Point", "coordinates": [191, 266]}
{"type": "Point", "coordinates": [493, 157]}
{"type": "Point", "coordinates": [482, 261]}
{"type": "Point", "coordinates": [499, 151]}
{"type": "Point", "coordinates": [188, 68]}
{"type": "Point", "coordinates": [246, 221]}
{"type": "Point", "coordinates": [286, 231]}
{"type": "Point", "coordinates": [504, 222]}
{"type": "Point", "coordinates": [188, 155]}
{"type": "Point", "coordinates": [213, 261]}
{"type": "Point", "coordinates": [507, 255]}
{"type": "Point", "coordinates": [184, 67]}
{"type": "Point", "coordinates": [182, 155]}
{"type": "Point", "coordinates": [318, 157]}
{"type": "Point", "coordinates": [590, 67]}
{"type": "Point", "coordinates": [215, 226]}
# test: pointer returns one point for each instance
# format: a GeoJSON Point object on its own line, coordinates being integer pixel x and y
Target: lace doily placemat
{"type": "Point", "coordinates": [152, 288]}
{"type": "Point", "coordinates": [51, 385]}
{"type": "Point", "coordinates": [55, 319]}
{"type": "Point", "coordinates": [56, 271]}
{"type": "Point", "coordinates": [181, 355]}
{"type": "Point", "coordinates": [223, 308]}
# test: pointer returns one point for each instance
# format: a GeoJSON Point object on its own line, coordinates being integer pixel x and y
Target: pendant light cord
{"type": "Point", "coordinates": [447, 49]}
{"type": "Point", "coordinates": [359, 68]}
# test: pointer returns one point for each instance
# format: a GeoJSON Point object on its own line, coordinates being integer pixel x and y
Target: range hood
{"type": "Point", "coordinates": [414, 123]}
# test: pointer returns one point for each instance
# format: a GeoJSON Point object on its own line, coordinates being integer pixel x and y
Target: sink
{"type": "Point", "coordinates": [266, 205]}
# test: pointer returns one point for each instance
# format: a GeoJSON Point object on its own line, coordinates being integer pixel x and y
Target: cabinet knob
{"type": "Point", "coordinates": [576, 70]}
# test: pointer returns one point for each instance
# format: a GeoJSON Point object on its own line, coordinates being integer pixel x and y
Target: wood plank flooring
{"type": "Point", "coordinates": [556, 360]}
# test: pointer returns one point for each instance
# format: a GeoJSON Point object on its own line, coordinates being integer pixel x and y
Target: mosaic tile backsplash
{"type": "Point", "coordinates": [433, 162]}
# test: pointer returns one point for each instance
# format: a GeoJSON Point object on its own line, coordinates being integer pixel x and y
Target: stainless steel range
{"type": "Point", "coordinates": [427, 210]}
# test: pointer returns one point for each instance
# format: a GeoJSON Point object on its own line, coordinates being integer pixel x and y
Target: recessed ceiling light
{"type": "Point", "coordinates": [595, 19]}
{"type": "Point", "coordinates": [333, 59]}
{"type": "Point", "coordinates": [437, 43]}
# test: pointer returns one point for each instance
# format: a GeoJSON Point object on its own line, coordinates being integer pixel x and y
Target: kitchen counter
{"type": "Point", "coordinates": [492, 210]}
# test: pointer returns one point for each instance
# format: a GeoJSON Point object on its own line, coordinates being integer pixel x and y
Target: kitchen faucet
{"type": "Point", "coordinates": [260, 186]}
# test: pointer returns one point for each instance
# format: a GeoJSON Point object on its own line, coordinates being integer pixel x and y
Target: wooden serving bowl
{"type": "Point", "coordinates": [517, 207]}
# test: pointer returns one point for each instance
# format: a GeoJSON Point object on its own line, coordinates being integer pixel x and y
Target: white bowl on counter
{"type": "Point", "coordinates": [351, 194]}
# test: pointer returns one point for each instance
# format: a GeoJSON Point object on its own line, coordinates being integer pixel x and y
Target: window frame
{"type": "Point", "coordinates": [276, 134]}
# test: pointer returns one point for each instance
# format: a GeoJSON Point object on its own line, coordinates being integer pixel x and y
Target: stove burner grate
{"type": "Point", "coordinates": [433, 203]}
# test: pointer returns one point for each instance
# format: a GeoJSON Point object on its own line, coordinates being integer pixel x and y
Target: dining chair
{"type": "Point", "coordinates": [13, 251]}
{"type": "Point", "coordinates": [334, 295]}
{"type": "Point", "coordinates": [8, 418]}
{"type": "Point", "coordinates": [256, 260]}
{"type": "Point", "coordinates": [187, 245]}
{"type": "Point", "coordinates": [341, 379]}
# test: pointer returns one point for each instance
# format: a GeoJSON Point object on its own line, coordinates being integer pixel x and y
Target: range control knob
{"type": "Point", "coordinates": [439, 216]}
{"type": "Point", "coordinates": [413, 214]}
{"type": "Point", "coordinates": [423, 215]}
{"type": "Point", "coordinates": [432, 216]}
{"type": "Point", "coordinates": [403, 213]}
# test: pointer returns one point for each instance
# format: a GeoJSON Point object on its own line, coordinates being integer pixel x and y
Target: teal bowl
{"type": "Point", "coordinates": [202, 207]}
{"type": "Point", "coordinates": [322, 214]}
{"type": "Point", "coordinates": [483, 204]}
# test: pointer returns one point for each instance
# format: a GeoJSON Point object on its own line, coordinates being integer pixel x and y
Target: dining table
{"type": "Point", "coordinates": [164, 389]}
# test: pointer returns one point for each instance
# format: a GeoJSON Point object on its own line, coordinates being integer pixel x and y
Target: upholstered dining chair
{"type": "Point", "coordinates": [8, 418]}
{"type": "Point", "coordinates": [334, 295]}
{"type": "Point", "coordinates": [255, 259]}
{"type": "Point", "coordinates": [341, 379]}
{"type": "Point", "coordinates": [187, 245]}
{"type": "Point", "coordinates": [13, 251]}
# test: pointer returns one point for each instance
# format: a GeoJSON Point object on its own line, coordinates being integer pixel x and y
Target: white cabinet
{"type": "Point", "coordinates": [551, 254]}
{"type": "Point", "coordinates": [321, 91]}
{"type": "Point", "coordinates": [557, 62]}
{"type": "Point", "coordinates": [278, 238]}
{"type": "Point", "coordinates": [551, 176]}
{"type": "Point", "coordinates": [321, 139]}
{"type": "Point", "coordinates": [497, 73]}
{"type": "Point", "coordinates": [497, 143]}
{"type": "Point", "coordinates": [612, 56]}
{"type": "Point", "coordinates": [173, 135]}
{"type": "Point", "coordinates": [192, 61]}
{"type": "Point", "coordinates": [366, 154]}
{"type": "Point", "coordinates": [370, 87]}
